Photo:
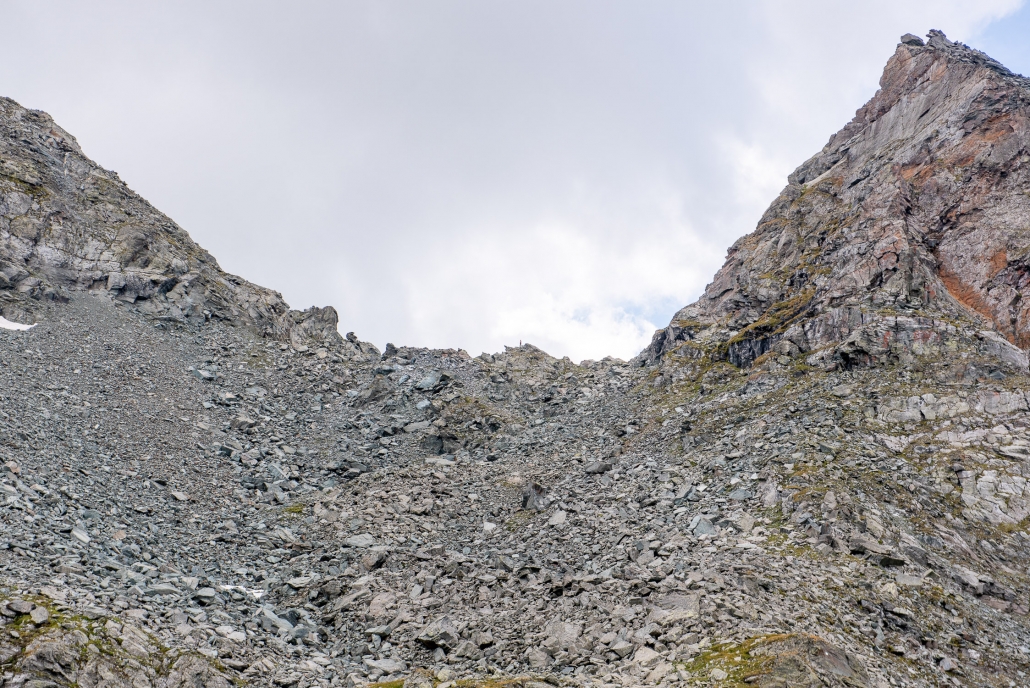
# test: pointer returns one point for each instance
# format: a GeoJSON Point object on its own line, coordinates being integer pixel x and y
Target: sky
{"type": "Point", "coordinates": [468, 174]}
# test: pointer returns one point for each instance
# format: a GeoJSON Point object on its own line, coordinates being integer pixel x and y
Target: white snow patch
{"type": "Point", "coordinates": [6, 324]}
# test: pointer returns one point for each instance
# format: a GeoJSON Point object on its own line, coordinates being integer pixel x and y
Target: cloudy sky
{"type": "Point", "coordinates": [471, 174]}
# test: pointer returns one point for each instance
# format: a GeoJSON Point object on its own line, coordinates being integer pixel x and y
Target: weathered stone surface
{"type": "Point", "coordinates": [916, 205]}
{"type": "Point", "coordinates": [440, 633]}
{"type": "Point", "coordinates": [806, 661]}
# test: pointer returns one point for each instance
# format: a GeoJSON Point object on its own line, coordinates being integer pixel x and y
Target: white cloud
{"type": "Point", "coordinates": [560, 288]}
{"type": "Point", "coordinates": [757, 176]}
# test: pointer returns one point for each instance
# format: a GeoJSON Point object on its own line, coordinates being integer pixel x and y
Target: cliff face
{"type": "Point", "coordinates": [919, 208]}
{"type": "Point", "coordinates": [68, 225]}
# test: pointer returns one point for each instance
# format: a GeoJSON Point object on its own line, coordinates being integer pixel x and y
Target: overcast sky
{"type": "Point", "coordinates": [471, 174]}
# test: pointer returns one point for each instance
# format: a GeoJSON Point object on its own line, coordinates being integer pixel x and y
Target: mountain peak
{"type": "Point", "coordinates": [68, 225]}
{"type": "Point", "coordinates": [912, 216]}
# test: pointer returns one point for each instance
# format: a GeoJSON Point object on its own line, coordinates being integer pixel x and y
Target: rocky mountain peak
{"type": "Point", "coordinates": [913, 214]}
{"type": "Point", "coordinates": [68, 225]}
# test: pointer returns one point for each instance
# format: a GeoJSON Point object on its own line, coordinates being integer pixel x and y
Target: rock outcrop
{"type": "Point", "coordinates": [68, 225]}
{"type": "Point", "coordinates": [913, 216]}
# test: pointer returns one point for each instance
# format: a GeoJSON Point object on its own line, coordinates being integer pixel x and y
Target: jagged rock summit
{"type": "Point", "coordinates": [913, 216]}
{"type": "Point", "coordinates": [817, 475]}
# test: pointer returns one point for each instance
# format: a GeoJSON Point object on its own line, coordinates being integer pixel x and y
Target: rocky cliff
{"type": "Point", "coordinates": [914, 216]}
{"type": "Point", "coordinates": [817, 475]}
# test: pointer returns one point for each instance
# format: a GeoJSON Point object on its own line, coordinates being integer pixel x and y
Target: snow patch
{"type": "Point", "coordinates": [6, 324]}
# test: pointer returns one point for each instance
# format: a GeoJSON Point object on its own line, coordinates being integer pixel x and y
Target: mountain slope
{"type": "Point", "coordinates": [69, 225]}
{"type": "Point", "coordinates": [817, 475]}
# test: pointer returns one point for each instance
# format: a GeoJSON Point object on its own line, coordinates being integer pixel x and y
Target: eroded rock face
{"type": "Point", "coordinates": [65, 649]}
{"type": "Point", "coordinates": [916, 208]}
{"type": "Point", "coordinates": [67, 224]}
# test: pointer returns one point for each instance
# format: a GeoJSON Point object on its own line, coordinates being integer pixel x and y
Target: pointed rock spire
{"type": "Point", "coordinates": [913, 218]}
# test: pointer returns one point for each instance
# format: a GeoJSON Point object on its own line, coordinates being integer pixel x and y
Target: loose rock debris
{"type": "Point", "coordinates": [816, 475]}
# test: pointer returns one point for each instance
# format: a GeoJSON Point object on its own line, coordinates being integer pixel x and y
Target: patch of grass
{"type": "Point", "coordinates": [36, 190]}
{"type": "Point", "coordinates": [519, 519]}
{"type": "Point", "coordinates": [1009, 528]}
{"type": "Point", "coordinates": [777, 318]}
{"type": "Point", "coordinates": [259, 357]}
{"type": "Point", "coordinates": [733, 658]}
{"type": "Point", "coordinates": [511, 682]}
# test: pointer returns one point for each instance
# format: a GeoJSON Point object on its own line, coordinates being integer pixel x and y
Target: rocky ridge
{"type": "Point", "coordinates": [69, 225]}
{"type": "Point", "coordinates": [915, 212]}
{"type": "Point", "coordinates": [816, 475]}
